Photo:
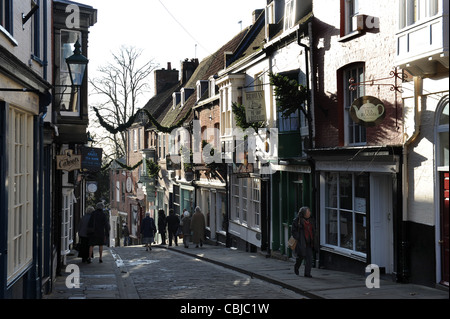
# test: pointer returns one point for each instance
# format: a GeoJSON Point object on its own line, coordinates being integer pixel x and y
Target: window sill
{"type": "Point", "coordinates": [351, 35]}
{"type": "Point", "coordinates": [345, 253]}
{"type": "Point", "coordinates": [8, 36]}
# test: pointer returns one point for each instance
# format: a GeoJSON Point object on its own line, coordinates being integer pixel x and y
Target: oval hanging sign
{"type": "Point", "coordinates": [367, 111]}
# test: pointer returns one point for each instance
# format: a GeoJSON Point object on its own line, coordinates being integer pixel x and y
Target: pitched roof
{"type": "Point", "coordinates": [210, 66]}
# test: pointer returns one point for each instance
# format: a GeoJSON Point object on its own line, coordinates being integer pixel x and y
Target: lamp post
{"type": "Point", "coordinates": [77, 64]}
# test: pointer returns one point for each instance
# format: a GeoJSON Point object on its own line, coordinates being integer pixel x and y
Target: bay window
{"type": "Point", "coordinates": [412, 11]}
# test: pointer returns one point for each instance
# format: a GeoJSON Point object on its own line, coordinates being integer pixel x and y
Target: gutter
{"type": "Point", "coordinates": [418, 86]}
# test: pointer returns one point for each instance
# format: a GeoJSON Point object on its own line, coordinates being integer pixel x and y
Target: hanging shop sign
{"type": "Point", "coordinates": [255, 106]}
{"type": "Point", "coordinates": [68, 161]}
{"type": "Point", "coordinates": [367, 111]}
{"type": "Point", "coordinates": [91, 158]}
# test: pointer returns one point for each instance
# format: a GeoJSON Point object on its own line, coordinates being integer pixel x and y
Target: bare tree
{"type": "Point", "coordinates": [119, 86]}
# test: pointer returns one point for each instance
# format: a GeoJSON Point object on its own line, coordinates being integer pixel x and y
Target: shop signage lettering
{"type": "Point", "coordinates": [255, 106]}
{"type": "Point", "coordinates": [68, 161]}
{"type": "Point", "coordinates": [91, 159]}
{"type": "Point", "coordinates": [367, 111]}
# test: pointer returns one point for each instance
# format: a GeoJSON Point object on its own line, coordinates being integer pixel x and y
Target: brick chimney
{"type": "Point", "coordinates": [165, 78]}
{"type": "Point", "coordinates": [187, 69]}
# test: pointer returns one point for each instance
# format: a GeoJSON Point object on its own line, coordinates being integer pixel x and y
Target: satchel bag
{"type": "Point", "coordinates": [292, 243]}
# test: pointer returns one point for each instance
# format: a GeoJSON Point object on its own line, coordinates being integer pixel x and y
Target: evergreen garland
{"type": "Point", "coordinates": [152, 167]}
{"type": "Point", "coordinates": [124, 126]}
{"type": "Point", "coordinates": [290, 95]}
{"type": "Point", "coordinates": [114, 130]}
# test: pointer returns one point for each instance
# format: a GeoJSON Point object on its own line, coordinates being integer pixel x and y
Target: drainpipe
{"type": "Point", "coordinates": [404, 271]}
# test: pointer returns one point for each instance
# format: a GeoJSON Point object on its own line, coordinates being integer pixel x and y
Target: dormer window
{"type": "Point", "coordinates": [289, 14]}
{"type": "Point", "coordinates": [176, 98]}
{"type": "Point", "coordinates": [185, 94]}
{"type": "Point", "coordinates": [212, 86]}
{"type": "Point", "coordinates": [202, 86]}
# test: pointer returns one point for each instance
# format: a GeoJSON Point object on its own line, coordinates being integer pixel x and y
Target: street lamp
{"type": "Point", "coordinates": [77, 64]}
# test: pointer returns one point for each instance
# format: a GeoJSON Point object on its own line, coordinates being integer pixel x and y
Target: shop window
{"type": "Point", "coordinates": [346, 205]}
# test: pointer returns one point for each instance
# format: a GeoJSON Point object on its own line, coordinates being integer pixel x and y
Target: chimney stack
{"type": "Point", "coordinates": [187, 69]}
{"type": "Point", "coordinates": [165, 78]}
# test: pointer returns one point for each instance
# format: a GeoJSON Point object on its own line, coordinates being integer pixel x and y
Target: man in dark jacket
{"type": "Point", "coordinates": [304, 231]}
{"type": "Point", "coordinates": [97, 230]}
{"type": "Point", "coordinates": [173, 222]}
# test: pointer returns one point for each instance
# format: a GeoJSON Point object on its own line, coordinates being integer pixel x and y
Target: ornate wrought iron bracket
{"type": "Point", "coordinates": [394, 74]}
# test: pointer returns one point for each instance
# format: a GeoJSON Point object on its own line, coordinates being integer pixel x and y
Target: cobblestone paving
{"type": "Point", "coordinates": [164, 274]}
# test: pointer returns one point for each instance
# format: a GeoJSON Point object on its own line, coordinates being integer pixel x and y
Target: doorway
{"type": "Point", "coordinates": [381, 222]}
{"type": "Point", "coordinates": [444, 219]}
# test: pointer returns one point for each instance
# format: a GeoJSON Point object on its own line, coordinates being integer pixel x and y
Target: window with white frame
{"type": "Point", "coordinates": [246, 201]}
{"type": "Point", "coordinates": [289, 14]}
{"type": "Point", "coordinates": [20, 200]}
{"type": "Point", "coordinates": [345, 211]}
{"type": "Point", "coordinates": [355, 134]}
{"type": "Point", "coordinates": [443, 137]}
{"type": "Point", "coordinates": [412, 11]}
{"type": "Point", "coordinates": [67, 97]}
{"type": "Point", "coordinates": [256, 201]}
{"type": "Point", "coordinates": [351, 12]}
{"type": "Point", "coordinates": [6, 16]}
{"type": "Point", "coordinates": [67, 222]}
{"type": "Point", "coordinates": [118, 191]}
{"type": "Point", "coordinates": [291, 122]}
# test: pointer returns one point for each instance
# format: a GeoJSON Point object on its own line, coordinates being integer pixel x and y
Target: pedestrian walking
{"type": "Point", "coordinates": [97, 230]}
{"type": "Point", "coordinates": [198, 225]}
{"type": "Point", "coordinates": [173, 222]}
{"type": "Point", "coordinates": [304, 231]}
{"type": "Point", "coordinates": [83, 251]}
{"type": "Point", "coordinates": [148, 230]}
{"type": "Point", "coordinates": [186, 228]}
{"type": "Point", "coordinates": [126, 235]}
{"type": "Point", "coordinates": [162, 223]}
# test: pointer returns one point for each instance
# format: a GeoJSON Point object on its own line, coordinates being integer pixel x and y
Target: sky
{"type": "Point", "coordinates": [166, 30]}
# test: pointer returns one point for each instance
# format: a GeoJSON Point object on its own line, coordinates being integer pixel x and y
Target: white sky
{"type": "Point", "coordinates": [203, 27]}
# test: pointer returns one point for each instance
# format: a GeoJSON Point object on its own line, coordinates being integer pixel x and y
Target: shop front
{"type": "Point", "coordinates": [358, 208]}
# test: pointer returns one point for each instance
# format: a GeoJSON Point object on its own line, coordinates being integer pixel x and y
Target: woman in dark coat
{"type": "Point", "coordinates": [83, 234]}
{"type": "Point", "coordinates": [304, 231]}
{"type": "Point", "coordinates": [162, 226]}
{"type": "Point", "coordinates": [148, 230]}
